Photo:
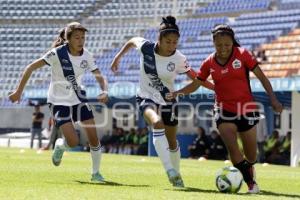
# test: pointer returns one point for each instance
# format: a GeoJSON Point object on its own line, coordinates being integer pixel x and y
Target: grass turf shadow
{"type": "Point", "coordinates": [269, 193]}
{"type": "Point", "coordinates": [110, 183]}
{"type": "Point", "coordinates": [262, 192]}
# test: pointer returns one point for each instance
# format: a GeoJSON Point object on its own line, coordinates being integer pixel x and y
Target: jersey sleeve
{"type": "Point", "coordinates": [203, 72]}
{"type": "Point", "coordinates": [50, 57]}
{"type": "Point", "coordinates": [138, 42]}
{"type": "Point", "coordinates": [250, 61]}
{"type": "Point", "coordinates": [183, 66]}
{"type": "Point", "coordinates": [91, 63]}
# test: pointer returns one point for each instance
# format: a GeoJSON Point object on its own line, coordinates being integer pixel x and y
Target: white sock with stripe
{"type": "Point", "coordinates": [96, 158]}
{"type": "Point", "coordinates": [175, 157]}
{"type": "Point", "coordinates": [161, 146]}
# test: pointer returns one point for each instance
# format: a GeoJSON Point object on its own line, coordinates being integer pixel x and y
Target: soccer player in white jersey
{"type": "Point", "coordinates": [65, 97]}
{"type": "Point", "coordinates": [160, 63]}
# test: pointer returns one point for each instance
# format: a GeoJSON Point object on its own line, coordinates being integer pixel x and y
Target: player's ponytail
{"type": "Point", "coordinates": [224, 29]}
{"type": "Point", "coordinates": [168, 25]}
{"type": "Point", "coordinates": [60, 39]}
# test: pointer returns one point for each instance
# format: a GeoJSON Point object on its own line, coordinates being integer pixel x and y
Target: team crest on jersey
{"type": "Point", "coordinates": [84, 64]}
{"type": "Point", "coordinates": [171, 67]}
{"type": "Point", "coordinates": [236, 64]}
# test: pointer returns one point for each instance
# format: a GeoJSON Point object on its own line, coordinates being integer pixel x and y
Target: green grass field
{"type": "Point", "coordinates": [29, 175]}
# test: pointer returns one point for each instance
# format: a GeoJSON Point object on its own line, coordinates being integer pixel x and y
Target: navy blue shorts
{"type": "Point", "coordinates": [64, 114]}
{"type": "Point", "coordinates": [243, 122]}
{"type": "Point", "coordinates": [168, 113]}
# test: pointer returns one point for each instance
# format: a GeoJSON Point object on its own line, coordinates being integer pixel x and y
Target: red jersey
{"type": "Point", "coordinates": [232, 83]}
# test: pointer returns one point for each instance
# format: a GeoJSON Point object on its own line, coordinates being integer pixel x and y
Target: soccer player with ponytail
{"type": "Point", "coordinates": [69, 60]}
{"type": "Point", "coordinates": [160, 63]}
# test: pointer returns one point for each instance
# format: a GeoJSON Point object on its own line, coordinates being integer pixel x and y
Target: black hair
{"type": "Point", "coordinates": [224, 29]}
{"type": "Point", "coordinates": [168, 25]}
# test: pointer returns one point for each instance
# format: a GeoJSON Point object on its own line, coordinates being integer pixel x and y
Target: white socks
{"type": "Point", "coordinates": [161, 146]}
{"type": "Point", "coordinates": [175, 158]}
{"type": "Point", "coordinates": [96, 158]}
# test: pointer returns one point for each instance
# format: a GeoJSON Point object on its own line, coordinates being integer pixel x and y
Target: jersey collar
{"type": "Point", "coordinates": [81, 53]}
{"type": "Point", "coordinates": [155, 51]}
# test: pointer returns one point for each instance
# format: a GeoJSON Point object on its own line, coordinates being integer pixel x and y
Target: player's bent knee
{"type": "Point", "coordinates": [73, 143]}
{"type": "Point", "coordinates": [251, 159]}
{"type": "Point", "coordinates": [95, 143]}
{"type": "Point", "coordinates": [158, 125]}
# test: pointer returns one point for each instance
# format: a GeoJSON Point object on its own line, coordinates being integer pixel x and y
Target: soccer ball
{"type": "Point", "coordinates": [229, 180]}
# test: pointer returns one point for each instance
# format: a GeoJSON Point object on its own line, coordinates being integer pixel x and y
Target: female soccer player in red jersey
{"type": "Point", "coordinates": [235, 109]}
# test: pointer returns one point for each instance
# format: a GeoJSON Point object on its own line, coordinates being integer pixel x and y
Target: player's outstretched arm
{"type": "Point", "coordinates": [16, 95]}
{"type": "Point", "coordinates": [193, 75]}
{"type": "Point", "coordinates": [190, 88]}
{"type": "Point", "coordinates": [208, 85]}
{"type": "Point", "coordinates": [277, 107]}
{"type": "Point", "coordinates": [116, 61]}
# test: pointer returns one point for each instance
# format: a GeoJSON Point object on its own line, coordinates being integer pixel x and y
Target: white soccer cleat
{"type": "Point", "coordinates": [175, 178]}
{"type": "Point", "coordinates": [58, 152]}
{"type": "Point", "coordinates": [253, 188]}
{"type": "Point", "coordinates": [97, 178]}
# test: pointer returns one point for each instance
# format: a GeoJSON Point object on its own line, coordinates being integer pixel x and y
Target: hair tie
{"type": "Point", "coordinates": [169, 29]}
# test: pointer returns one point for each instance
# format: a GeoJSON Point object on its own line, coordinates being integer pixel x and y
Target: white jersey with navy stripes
{"type": "Point", "coordinates": [167, 69]}
{"type": "Point", "coordinates": [60, 91]}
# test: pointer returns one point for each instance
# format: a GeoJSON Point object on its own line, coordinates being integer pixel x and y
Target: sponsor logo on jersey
{"type": "Point", "coordinates": [84, 64]}
{"type": "Point", "coordinates": [224, 71]}
{"type": "Point", "coordinates": [67, 68]}
{"type": "Point", "coordinates": [236, 64]}
{"type": "Point", "coordinates": [72, 80]}
{"type": "Point", "coordinates": [149, 65]}
{"type": "Point", "coordinates": [148, 57]}
{"type": "Point", "coordinates": [155, 82]}
{"type": "Point", "coordinates": [65, 61]}
{"type": "Point", "coordinates": [171, 67]}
